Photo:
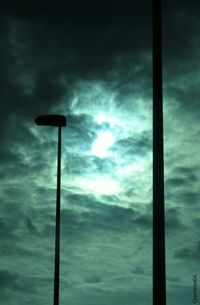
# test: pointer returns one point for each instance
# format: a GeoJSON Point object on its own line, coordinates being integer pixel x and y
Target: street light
{"type": "Point", "coordinates": [58, 121]}
{"type": "Point", "coordinates": [159, 264]}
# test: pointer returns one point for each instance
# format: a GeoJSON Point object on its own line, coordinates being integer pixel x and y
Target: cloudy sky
{"type": "Point", "coordinates": [92, 61]}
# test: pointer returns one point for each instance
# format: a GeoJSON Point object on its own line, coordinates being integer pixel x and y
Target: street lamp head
{"type": "Point", "coordinates": [58, 121]}
{"type": "Point", "coordinates": [51, 120]}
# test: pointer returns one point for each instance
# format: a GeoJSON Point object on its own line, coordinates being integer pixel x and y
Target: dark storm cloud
{"type": "Point", "coordinates": [185, 171]}
{"type": "Point", "coordinates": [180, 45]}
{"type": "Point", "coordinates": [12, 96]}
{"type": "Point", "coordinates": [78, 40]}
{"type": "Point", "coordinates": [84, 127]}
{"type": "Point", "coordinates": [191, 198]}
{"type": "Point", "coordinates": [187, 96]}
{"type": "Point", "coordinates": [134, 146]}
{"type": "Point", "coordinates": [182, 197]}
{"type": "Point", "coordinates": [7, 229]}
{"type": "Point", "coordinates": [15, 216]}
{"type": "Point", "coordinates": [174, 224]}
{"type": "Point", "coordinates": [176, 182]}
{"type": "Point", "coordinates": [8, 157]}
{"type": "Point", "coordinates": [173, 279]}
{"type": "Point", "coordinates": [143, 221]}
{"type": "Point", "coordinates": [107, 295]}
{"type": "Point", "coordinates": [13, 284]}
{"type": "Point", "coordinates": [103, 166]}
{"type": "Point", "coordinates": [135, 79]}
{"type": "Point", "coordinates": [100, 14]}
{"type": "Point", "coordinates": [82, 132]}
{"type": "Point", "coordinates": [191, 252]}
{"type": "Point", "coordinates": [138, 270]}
{"type": "Point", "coordinates": [181, 188]}
{"type": "Point", "coordinates": [79, 165]}
{"type": "Point", "coordinates": [17, 169]}
{"type": "Point", "coordinates": [196, 222]}
{"type": "Point", "coordinates": [180, 27]}
{"type": "Point", "coordinates": [15, 101]}
{"type": "Point", "coordinates": [14, 281]}
{"type": "Point", "coordinates": [91, 33]}
{"type": "Point", "coordinates": [89, 216]}
{"type": "Point", "coordinates": [185, 178]}
{"type": "Point", "coordinates": [93, 280]}
{"type": "Point", "coordinates": [47, 89]}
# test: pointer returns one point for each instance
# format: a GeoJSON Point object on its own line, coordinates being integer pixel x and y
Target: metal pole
{"type": "Point", "coordinates": [57, 231]}
{"type": "Point", "coordinates": [159, 273]}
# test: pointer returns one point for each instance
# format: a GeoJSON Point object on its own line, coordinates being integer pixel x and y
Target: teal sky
{"type": "Point", "coordinates": [93, 63]}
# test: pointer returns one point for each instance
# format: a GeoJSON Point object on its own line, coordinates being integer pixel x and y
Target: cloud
{"type": "Point", "coordinates": [174, 223]}
{"type": "Point", "coordinates": [187, 198]}
{"type": "Point", "coordinates": [190, 252]}
{"type": "Point", "coordinates": [14, 281]}
{"type": "Point", "coordinates": [96, 216]}
{"type": "Point", "coordinates": [134, 146]}
{"type": "Point", "coordinates": [93, 280]}
{"type": "Point", "coordinates": [138, 270]}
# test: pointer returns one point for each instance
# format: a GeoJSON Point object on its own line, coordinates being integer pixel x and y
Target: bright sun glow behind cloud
{"type": "Point", "coordinates": [106, 118]}
{"type": "Point", "coordinates": [100, 186]}
{"type": "Point", "coordinates": [100, 146]}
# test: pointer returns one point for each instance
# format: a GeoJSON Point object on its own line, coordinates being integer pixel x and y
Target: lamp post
{"type": "Point", "coordinates": [58, 121]}
{"type": "Point", "coordinates": [159, 272]}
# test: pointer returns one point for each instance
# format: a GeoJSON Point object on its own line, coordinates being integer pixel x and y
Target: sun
{"type": "Point", "coordinates": [103, 142]}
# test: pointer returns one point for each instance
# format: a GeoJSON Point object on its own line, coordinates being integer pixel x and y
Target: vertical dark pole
{"type": "Point", "coordinates": [159, 276]}
{"type": "Point", "coordinates": [57, 231]}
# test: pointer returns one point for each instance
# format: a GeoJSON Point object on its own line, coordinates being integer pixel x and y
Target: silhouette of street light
{"type": "Point", "coordinates": [58, 121]}
{"type": "Point", "coordinates": [159, 272]}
